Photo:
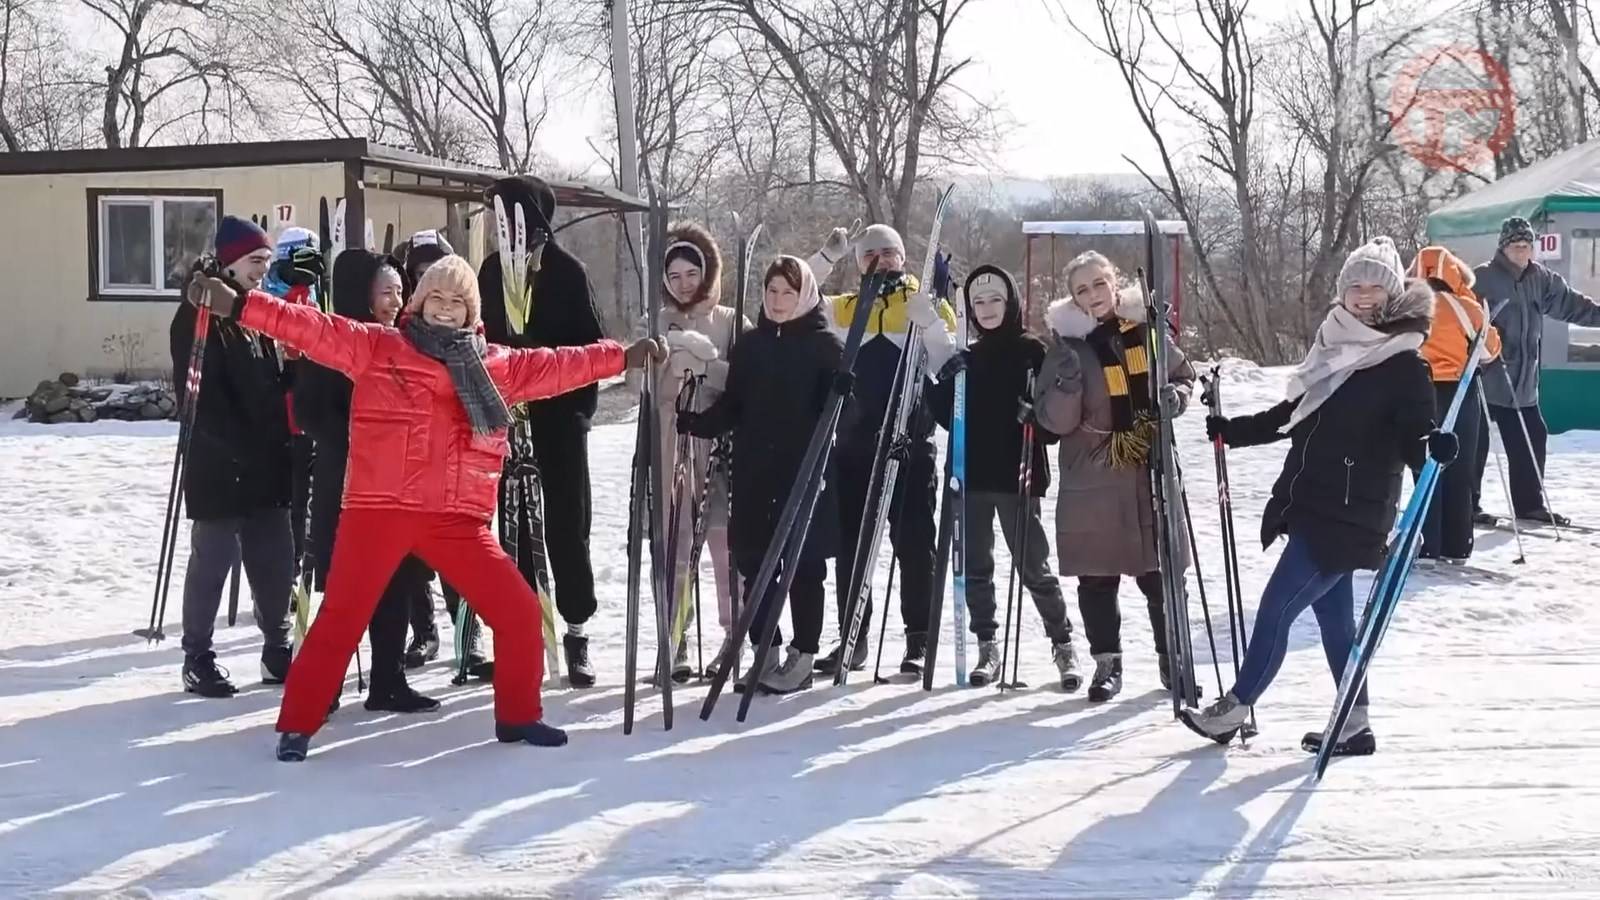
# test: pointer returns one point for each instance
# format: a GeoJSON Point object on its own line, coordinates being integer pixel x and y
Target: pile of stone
{"type": "Point", "coordinates": [67, 400]}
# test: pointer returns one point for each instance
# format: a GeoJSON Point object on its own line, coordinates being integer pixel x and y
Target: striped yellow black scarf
{"type": "Point", "coordinates": [1120, 346]}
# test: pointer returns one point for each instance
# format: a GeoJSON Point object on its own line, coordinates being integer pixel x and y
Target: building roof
{"type": "Point", "coordinates": [1566, 182]}
{"type": "Point", "coordinates": [399, 170]}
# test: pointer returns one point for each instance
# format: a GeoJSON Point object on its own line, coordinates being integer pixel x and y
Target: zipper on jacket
{"type": "Point", "coordinates": [1349, 467]}
{"type": "Point", "coordinates": [1304, 452]}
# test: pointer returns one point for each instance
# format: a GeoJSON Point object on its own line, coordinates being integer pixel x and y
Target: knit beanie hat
{"type": "Point", "coordinates": [875, 238]}
{"type": "Point", "coordinates": [1375, 262]}
{"type": "Point", "coordinates": [238, 238]}
{"type": "Point", "coordinates": [1516, 230]}
{"type": "Point", "coordinates": [293, 238]}
{"type": "Point", "coordinates": [451, 274]}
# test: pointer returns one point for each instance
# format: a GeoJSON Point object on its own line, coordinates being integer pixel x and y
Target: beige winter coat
{"type": "Point", "coordinates": [1105, 523]}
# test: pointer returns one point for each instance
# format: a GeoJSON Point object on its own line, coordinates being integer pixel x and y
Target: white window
{"type": "Point", "coordinates": [147, 243]}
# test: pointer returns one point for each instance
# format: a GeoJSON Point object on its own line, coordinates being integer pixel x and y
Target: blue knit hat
{"type": "Point", "coordinates": [238, 238]}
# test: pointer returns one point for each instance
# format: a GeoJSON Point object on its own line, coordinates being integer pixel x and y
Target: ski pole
{"type": "Point", "coordinates": [180, 464]}
{"type": "Point", "coordinates": [1212, 398]}
{"type": "Point", "coordinates": [883, 628]}
{"type": "Point", "coordinates": [1019, 558]}
{"type": "Point", "coordinates": [1533, 460]}
{"type": "Point", "coordinates": [1505, 486]}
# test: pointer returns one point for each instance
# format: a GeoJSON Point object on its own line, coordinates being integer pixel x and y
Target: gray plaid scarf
{"type": "Point", "coordinates": [462, 352]}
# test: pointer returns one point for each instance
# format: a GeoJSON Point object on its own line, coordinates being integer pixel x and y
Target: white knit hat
{"type": "Point", "coordinates": [1375, 262]}
{"type": "Point", "coordinates": [875, 238]}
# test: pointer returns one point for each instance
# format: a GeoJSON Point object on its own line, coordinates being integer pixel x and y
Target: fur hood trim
{"type": "Point", "coordinates": [710, 293]}
{"type": "Point", "coordinates": [1068, 320]}
{"type": "Point", "coordinates": [1413, 306]}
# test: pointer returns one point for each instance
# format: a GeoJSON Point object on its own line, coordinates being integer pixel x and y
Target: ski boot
{"type": "Point", "coordinates": [1220, 721]}
{"type": "Point", "coordinates": [402, 699]}
{"type": "Point", "coordinates": [202, 675]}
{"type": "Point", "coordinates": [794, 675]}
{"type": "Point", "coordinates": [988, 665]}
{"type": "Point", "coordinates": [1066, 665]}
{"type": "Point", "coordinates": [293, 746]}
{"type": "Point", "coordinates": [916, 653]}
{"type": "Point", "coordinates": [275, 664]}
{"type": "Point", "coordinates": [1355, 739]}
{"type": "Point", "coordinates": [575, 647]}
{"type": "Point", "coordinates": [536, 733]}
{"type": "Point", "coordinates": [829, 665]}
{"type": "Point", "coordinates": [1107, 680]}
{"type": "Point", "coordinates": [424, 649]}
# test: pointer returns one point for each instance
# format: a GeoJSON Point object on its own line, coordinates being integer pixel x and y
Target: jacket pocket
{"type": "Point", "coordinates": [380, 445]}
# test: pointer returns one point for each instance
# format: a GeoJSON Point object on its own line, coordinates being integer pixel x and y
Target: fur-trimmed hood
{"type": "Point", "coordinates": [696, 235]}
{"type": "Point", "coordinates": [1067, 319]}
{"type": "Point", "coordinates": [1412, 310]}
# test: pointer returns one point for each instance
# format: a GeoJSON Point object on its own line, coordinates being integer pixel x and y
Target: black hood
{"type": "Point", "coordinates": [1012, 324]}
{"type": "Point", "coordinates": [353, 274]}
{"type": "Point", "coordinates": [532, 193]}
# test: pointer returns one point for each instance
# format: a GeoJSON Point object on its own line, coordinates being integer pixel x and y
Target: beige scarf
{"type": "Point", "coordinates": [1344, 345]}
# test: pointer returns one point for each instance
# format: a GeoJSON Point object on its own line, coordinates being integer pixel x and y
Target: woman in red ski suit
{"type": "Point", "coordinates": [427, 442]}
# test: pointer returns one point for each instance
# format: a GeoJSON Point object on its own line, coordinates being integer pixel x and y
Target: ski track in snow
{"type": "Point", "coordinates": [114, 783]}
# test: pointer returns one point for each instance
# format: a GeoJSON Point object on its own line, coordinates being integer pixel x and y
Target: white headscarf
{"type": "Point", "coordinates": [809, 295]}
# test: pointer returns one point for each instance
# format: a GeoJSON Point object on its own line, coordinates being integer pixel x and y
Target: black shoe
{"type": "Point", "coordinates": [829, 665]}
{"type": "Point", "coordinates": [423, 650]}
{"type": "Point", "coordinates": [1545, 517]}
{"type": "Point", "coordinates": [916, 653]}
{"type": "Point", "coordinates": [1107, 680]}
{"type": "Point", "coordinates": [275, 664]}
{"type": "Point", "coordinates": [1485, 520]}
{"type": "Point", "coordinates": [401, 700]}
{"type": "Point", "coordinates": [202, 675]}
{"type": "Point", "coordinates": [580, 674]}
{"type": "Point", "coordinates": [536, 733]}
{"type": "Point", "coordinates": [1362, 743]}
{"type": "Point", "coordinates": [293, 746]}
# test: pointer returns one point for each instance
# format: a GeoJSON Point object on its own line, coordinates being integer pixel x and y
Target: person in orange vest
{"type": "Point", "coordinates": [1457, 318]}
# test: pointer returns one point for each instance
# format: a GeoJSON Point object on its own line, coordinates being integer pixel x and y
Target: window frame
{"type": "Point", "coordinates": [97, 197]}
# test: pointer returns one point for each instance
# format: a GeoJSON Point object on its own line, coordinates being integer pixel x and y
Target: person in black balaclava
{"type": "Point", "coordinates": [562, 314]}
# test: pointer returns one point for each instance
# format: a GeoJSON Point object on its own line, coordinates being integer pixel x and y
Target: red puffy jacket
{"type": "Point", "coordinates": [411, 445]}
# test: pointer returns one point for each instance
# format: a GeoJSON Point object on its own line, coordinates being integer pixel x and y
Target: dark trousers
{"type": "Point", "coordinates": [1525, 470]}
{"type": "Point", "coordinates": [302, 455]}
{"type": "Point", "coordinates": [263, 542]}
{"type": "Point", "coordinates": [1448, 528]}
{"type": "Point", "coordinates": [1102, 617]}
{"type": "Point", "coordinates": [981, 508]}
{"type": "Point", "coordinates": [387, 630]}
{"type": "Point", "coordinates": [327, 493]}
{"type": "Point", "coordinates": [563, 457]}
{"type": "Point", "coordinates": [806, 599]}
{"type": "Point", "coordinates": [911, 531]}
{"type": "Point", "coordinates": [420, 608]}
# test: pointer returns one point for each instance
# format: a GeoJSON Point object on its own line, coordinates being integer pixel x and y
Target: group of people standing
{"type": "Point", "coordinates": [406, 392]}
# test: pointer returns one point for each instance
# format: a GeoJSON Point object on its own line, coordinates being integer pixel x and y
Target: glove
{"type": "Point", "coordinates": [1217, 427]}
{"type": "Point", "coordinates": [921, 312]}
{"type": "Point", "coordinates": [206, 290]}
{"type": "Point", "coordinates": [1068, 373]}
{"type": "Point", "coordinates": [941, 274]}
{"type": "Point", "coordinates": [836, 246]}
{"type": "Point", "coordinates": [305, 266]}
{"type": "Point", "coordinates": [1444, 446]}
{"type": "Point", "coordinates": [1174, 398]}
{"type": "Point", "coordinates": [690, 351]}
{"type": "Point", "coordinates": [641, 352]}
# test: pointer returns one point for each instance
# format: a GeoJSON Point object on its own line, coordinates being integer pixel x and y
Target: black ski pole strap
{"type": "Point", "coordinates": [844, 383]}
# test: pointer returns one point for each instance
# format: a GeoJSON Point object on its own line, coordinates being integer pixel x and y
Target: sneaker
{"type": "Point", "coordinates": [988, 665]}
{"type": "Point", "coordinates": [768, 666]}
{"type": "Point", "coordinates": [1355, 739]}
{"type": "Point", "coordinates": [423, 650]}
{"type": "Point", "coordinates": [1220, 721]}
{"type": "Point", "coordinates": [293, 746]}
{"type": "Point", "coordinates": [1066, 666]}
{"type": "Point", "coordinates": [828, 665]}
{"type": "Point", "coordinates": [401, 700]}
{"type": "Point", "coordinates": [575, 648]}
{"type": "Point", "coordinates": [1107, 680]}
{"type": "Point", "coordinates": [536, 733]}
{"type": "Point", "coordinates": [916, 653]}
{"type": "Point", "coordinates": [275, 664]}
{"type": "Point", "coordinates": [793, 675]}
{"type": "Point", "coordinates": [202, 675]}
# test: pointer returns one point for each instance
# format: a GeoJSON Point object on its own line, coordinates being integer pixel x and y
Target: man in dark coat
{"type": "Point", "coordinates": [562, 314]}
{"type": "Point", "coordinates": [236, 479]}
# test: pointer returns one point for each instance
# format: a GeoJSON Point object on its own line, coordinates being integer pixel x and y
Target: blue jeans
{"type": "Point", "coordinates": [1296, 584]}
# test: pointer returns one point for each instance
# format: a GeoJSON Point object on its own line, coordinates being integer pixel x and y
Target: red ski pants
{"type": "Point", "coordinates": [366, 551]}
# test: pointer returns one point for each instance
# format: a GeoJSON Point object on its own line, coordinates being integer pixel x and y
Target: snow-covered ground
{"type": "Point", "coordinates": [112, 781]}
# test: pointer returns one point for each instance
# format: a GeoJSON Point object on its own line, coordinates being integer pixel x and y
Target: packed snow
{"type": "Point", "coordinates": [115, 782]}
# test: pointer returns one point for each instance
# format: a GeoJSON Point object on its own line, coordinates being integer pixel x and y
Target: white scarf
{"type": "Point", "coordinates": [1344, 345]}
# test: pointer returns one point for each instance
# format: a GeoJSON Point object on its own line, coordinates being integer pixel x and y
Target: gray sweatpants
{"type": "Point", "coordinates": [266, 543]}
{"type": "Point", "coordinates": [981, 508]}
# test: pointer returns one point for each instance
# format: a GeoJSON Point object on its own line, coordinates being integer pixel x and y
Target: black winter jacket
{"type": "Point", "coordinates": [778, 381]}
{"type": "Point", "coordinates": [1341, 480]}
{"type": "Point", "coordinates": [239, 449]}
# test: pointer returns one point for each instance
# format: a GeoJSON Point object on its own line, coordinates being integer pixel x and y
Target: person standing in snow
{"type": "Point", "coordinates": [429, 417]}
{"type": "Point", "coordinates": [699, 333]}
{"type": "Point", "coordinates": [999, 364]}
{"type": "Point", "coordinates": [236, 480]}
{"type": "Point", "coordinates": [1094, 392]}
{"type": "Point", "coordinates": [562, 314]}
{"type": "Point", "coordinates": [293, 276]}
{"type": "Point", "coordinates": [779, 377]}
{"type": "Point", "coordinates": [911, 509]}
{"type": "Point", "coordinates": [1535, 293]}
{"type": "Point", "coordinates": [1360, 409]}
{"type": "Point", "coordinates": [1457, 319]}
{"type": "Point", "coordinates": [367, 287]}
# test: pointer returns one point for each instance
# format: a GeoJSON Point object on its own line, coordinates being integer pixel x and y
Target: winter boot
{"type": "Point", "coordinates": [424, 648]}
{"type": "Point", "coordinates": [714, 665]}
{"type": "Point", "coordinates": [794, 675]}
{"type": "Point", "coordinates": [768, 666]}
{"type": "Point", "coordinates": [829, 665]}
{"type": "Point", "coordinates": [202, 675]}
{"type": "Point", "coordinates": [401, 700]}
{"type": "Point", "coordinates": [1066, 666]}
{"type": "Point", "coordinates": [536, 733]}
{"type": "Point", "coordinates": [1107, 680]}
{"type": "Point", "coordinates": [1220, 721]}
{"type": "Point", "coordinates": [293, 746]}
{"type": "Point", "coordinates": [1545, 517]}
{"type": "Point", "coordinates": [1355, 739]}
{"type": "Point", "coordinates": [275, 664]}
{"type": "Point", "coordinates": [916, 653]}
{"type": "Point", "coordinates": [576, 649]}
{"type": "Point", "coordinates": [988, 666]}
